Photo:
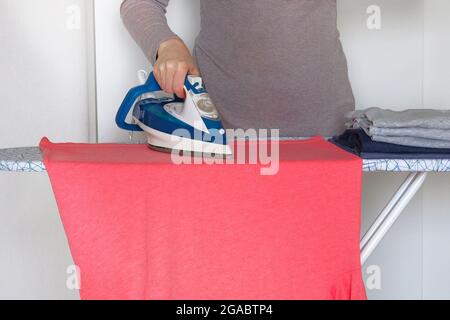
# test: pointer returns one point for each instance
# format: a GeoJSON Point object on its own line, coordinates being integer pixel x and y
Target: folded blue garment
{"type": "Point", "coordinates": [359, 143]}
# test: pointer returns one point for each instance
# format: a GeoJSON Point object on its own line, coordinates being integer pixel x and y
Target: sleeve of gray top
{"type": "Point", "coordinates": [146, 22]}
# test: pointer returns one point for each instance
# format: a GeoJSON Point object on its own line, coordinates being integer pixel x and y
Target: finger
{"type": "Point", "coordinates": [170, 74]}
{"type": "Point", "coordinates": [156, 73]}
{"type": "Point", "coordinates": [160, 75]}
{"type": "Point", "coordinates": [179, 78]}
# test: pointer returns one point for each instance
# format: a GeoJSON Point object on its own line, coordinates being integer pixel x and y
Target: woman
{"type": "Point", "coordinates": [269, 64]}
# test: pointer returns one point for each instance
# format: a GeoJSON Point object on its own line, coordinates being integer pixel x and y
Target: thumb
{"type": "Point", "coordinates": [194, 71]}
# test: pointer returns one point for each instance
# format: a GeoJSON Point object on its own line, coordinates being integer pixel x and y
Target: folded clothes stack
{"type": "Point", "coordinates": [376, 133]}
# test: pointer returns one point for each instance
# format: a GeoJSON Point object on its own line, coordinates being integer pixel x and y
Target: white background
{"type": "Point", "coordinates": [61, 82]}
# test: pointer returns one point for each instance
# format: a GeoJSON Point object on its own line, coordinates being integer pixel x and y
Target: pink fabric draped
{"type": "Point", "coordinates": [141, 227]}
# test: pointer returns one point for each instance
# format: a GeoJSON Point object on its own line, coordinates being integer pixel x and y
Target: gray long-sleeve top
{"type": "Point", "coordinates": [266, 63]}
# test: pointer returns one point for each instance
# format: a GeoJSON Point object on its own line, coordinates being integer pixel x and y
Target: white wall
{"type": "Point", "coordinates": [386, 65]}
{"type": "Point", "coordinates": [34, 254]}
{"type": "Point", "coordinates": [436, 53]}
{"type": "Point", "coordinates": [43, 63]}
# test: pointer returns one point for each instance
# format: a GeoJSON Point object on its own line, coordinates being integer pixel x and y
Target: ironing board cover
{"type": "Point", "coordinates": [141, 227]}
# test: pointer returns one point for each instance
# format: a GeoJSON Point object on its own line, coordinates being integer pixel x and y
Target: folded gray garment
{"type": "Point", "coordinates": [413, 141]}
{"type": "Point", "coordinates": [435, 134]}
{"type": "Point", "coordinates": [422, 118]}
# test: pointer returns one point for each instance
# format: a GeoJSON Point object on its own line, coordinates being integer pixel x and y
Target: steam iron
{"type": "Point", "coordinates": [172, 124]}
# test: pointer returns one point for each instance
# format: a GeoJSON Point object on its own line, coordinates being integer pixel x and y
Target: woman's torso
{"type": "Point", "coordinates": [275, 64]}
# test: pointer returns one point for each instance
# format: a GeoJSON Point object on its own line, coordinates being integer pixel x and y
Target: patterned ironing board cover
{"type": "Point", "coordinates": [30, 160]}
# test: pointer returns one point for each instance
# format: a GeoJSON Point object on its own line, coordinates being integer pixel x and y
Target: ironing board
{"type": "Point", "coordinates": [30, 160]}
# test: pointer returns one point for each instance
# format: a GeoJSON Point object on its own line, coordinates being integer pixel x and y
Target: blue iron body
{"type": "Point", "coordinates": [163, 126]}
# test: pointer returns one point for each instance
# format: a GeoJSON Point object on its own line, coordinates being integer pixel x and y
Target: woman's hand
{"type": "Point", "coordinates": [173, 64]}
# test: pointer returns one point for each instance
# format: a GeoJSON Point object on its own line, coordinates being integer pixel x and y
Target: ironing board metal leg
{"type": "Point", "coordinates": [390, 213]}
{"type": "Point", "coordinates": [388, 208]}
